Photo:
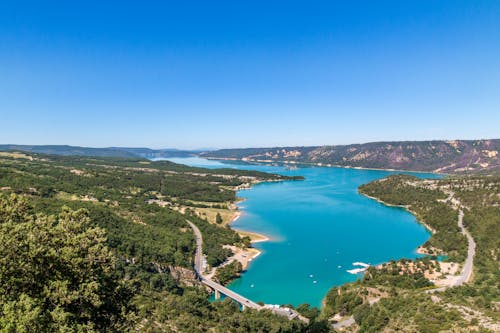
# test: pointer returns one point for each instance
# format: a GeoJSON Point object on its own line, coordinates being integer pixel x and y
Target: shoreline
{"type": "Point", "coordinates": [447, 274]}
{"type": "Point", "coordinates": [421, 249]}
{"type": "Point", "coordinates": [327, 165]}
{"type": "Point", "coordinates": [428, 227]}
{"type": "Point", "coordinates": [247, 255]}
{"type": "Point", "coordinates": [255, 237]}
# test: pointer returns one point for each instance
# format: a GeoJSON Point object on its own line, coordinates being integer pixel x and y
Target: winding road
{"type": "Point", "coordinates": [468, 268]}
{"type": "Point", "coordinates": [198, 257]}
{"type": "Point", "coordinates": [199, 267]}
{"type": "Point", "coordinates": [466, 273]}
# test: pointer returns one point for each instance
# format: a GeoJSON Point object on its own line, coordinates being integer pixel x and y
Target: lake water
{"type": "Point", "coordinates": [318, 228]}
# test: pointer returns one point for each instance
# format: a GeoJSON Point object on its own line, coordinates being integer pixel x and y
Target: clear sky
{"type": "Point", "coordinates": [190, 74]}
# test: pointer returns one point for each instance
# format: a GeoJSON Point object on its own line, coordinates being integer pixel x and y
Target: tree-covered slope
{"type": "Point", "coordinates": [102, 244]}
{"type": "Point", "coordinates": [396, 297]}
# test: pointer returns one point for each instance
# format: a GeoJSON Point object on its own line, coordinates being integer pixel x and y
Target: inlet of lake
{"type": "Point", "coordinates": [318, 228]}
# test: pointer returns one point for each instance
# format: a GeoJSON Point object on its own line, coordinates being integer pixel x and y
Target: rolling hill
{"type": "Point", "coordinates": [456, 156]}
{"type": "Point", "coordinates": [98, 152]}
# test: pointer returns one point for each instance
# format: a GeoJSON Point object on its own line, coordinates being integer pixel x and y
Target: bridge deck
{"type": "Point", "coordinates": [231, 294]}
{"type": "Point", "coordinates": [245, 302]}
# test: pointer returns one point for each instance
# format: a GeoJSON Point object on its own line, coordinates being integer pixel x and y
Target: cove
{"type": "Point", "coordinates": [318, 228]}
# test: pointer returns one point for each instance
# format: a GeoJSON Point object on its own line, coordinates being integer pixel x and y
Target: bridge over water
{"type": "Point", "coordinates": [199, 267]}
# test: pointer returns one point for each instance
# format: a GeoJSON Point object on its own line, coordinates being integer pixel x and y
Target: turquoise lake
{"type": "Point", "coordinates": [318, 228]}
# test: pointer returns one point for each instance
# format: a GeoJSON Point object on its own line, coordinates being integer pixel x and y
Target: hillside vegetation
{"type": "Point", "coordinates": [102, 245]}
{"type": "Point", "coordinates": [457, 156]}
{"type": "Point", "coordinates": [395, 297]}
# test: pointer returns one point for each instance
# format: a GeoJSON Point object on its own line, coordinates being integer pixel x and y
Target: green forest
{"type": "Point", "coordinates": [397, 297]}
{"type": "Point", "coordinates": [87, 248]}
{"type": "Point", "coordinates": [102, 245]}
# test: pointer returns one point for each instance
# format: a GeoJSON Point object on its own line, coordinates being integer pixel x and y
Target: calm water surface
{"type": "Point", "coordinates": [318, 228]}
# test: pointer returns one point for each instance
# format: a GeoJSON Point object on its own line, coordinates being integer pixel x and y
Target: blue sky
{"type": "Point", "coordinates": [190, 74]}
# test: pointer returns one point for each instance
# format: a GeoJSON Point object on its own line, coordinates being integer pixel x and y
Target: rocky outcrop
{"type": "Point", "coordinates": [183, 275]}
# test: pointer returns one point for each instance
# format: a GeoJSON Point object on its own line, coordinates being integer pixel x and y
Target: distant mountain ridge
{"type": "Point", "coordinates": [99, 152]}
{"type": "Point", "coordinates": [453, 156]}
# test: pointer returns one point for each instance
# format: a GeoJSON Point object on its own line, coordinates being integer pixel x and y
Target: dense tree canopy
{"type": "Point", "coordinates": [56, 272]}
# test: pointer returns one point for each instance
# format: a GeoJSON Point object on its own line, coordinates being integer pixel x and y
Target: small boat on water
{"type": "Point", "coordinates": [357, 263]}
{"type": "Point", "coordinates": [356, 270]}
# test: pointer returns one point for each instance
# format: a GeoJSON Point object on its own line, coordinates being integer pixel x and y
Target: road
{"type": "Point", "coordinates": [466, 273]}
{"type": "Point", "coordinates": [231, 294]}
{"type": "Point", "coordinates": [199, 266]}
{"type": "Point", "coordinates": [467, 269]}
{"type": "Point", "coordinates": [198, 257]}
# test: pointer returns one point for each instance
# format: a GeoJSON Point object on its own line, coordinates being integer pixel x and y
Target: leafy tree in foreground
{"type": "Point", "coordinates": [56, 273]}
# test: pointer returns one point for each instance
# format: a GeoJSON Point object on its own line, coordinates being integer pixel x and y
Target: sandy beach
{"type": "Point", "coordinates": [254, 236]}
{"type": "Point", "coordinates": [245, 256]}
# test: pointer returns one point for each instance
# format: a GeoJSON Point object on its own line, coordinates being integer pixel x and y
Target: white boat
{"type": "Point", "coordinates": [357, 263]}
{"type": "Point", "coordinates": [356, 270]}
